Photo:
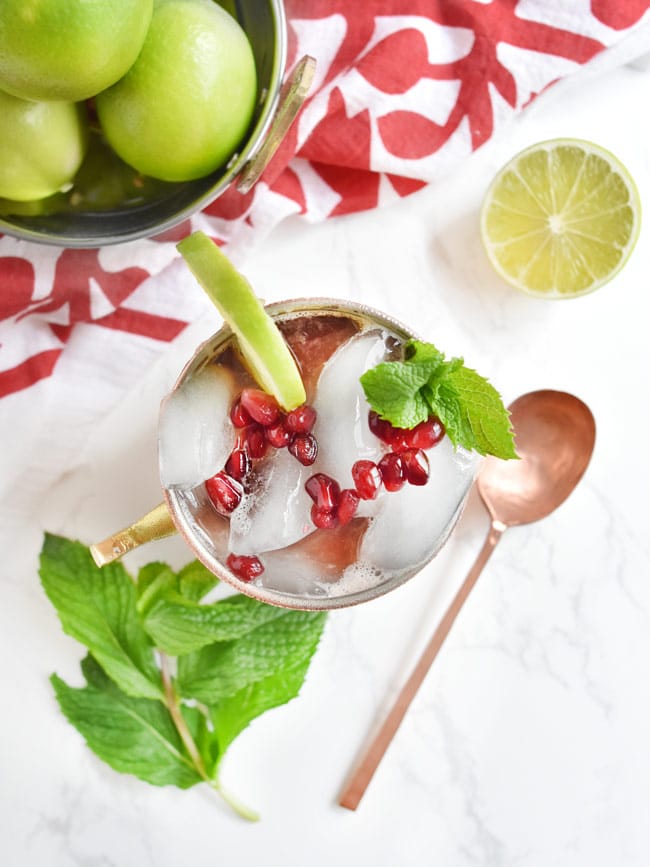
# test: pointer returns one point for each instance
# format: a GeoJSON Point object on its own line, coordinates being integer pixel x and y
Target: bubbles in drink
{"type": "Point", "coordinates": [358, 578]}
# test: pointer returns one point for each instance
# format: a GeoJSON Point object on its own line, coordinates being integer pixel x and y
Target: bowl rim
{"type": "Point", "coordinates": [238, 161]}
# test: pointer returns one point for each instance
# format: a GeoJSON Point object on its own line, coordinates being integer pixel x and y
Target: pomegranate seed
{"type": "Point", "coordinates": [423, 436]}
{"type": "Point", "coordinates": [301, 420]}
{"type": "Point", "coordinates": [277, 435]}
{"type": "Point", "coordinates": [245, 568]}
{"type": "Point", "coordinates": [324, 519]}
{"type": "Point", "coordinates": [391, 467]}
{"type": "Point", "coordinates": [380, 427]}
{"type": "Point", "coordinates": [367, 479]}
{"type": "Point", "coordinates": [348, 504]}
{"type": "Point", "coordinates": [324, 491]}
{"type": "Point", "coordinates": [416, 466]}
{"type": "Point", "coordinates": [256, 443]}
{"type": "Point", "coordinates": [238, 415]}
{"type": "Point", "coordinates": [304, 448]}
{"type": "Point", "coordinates": [262, 407]}
{"type": "Point", "coordinates": [238, 464]}
{"type": "Point", "coordinates": [224, 492]}
{"type": "Point", "coordinates": [400, 439]}
{"type": "Point", "coordinates": [428, 433]}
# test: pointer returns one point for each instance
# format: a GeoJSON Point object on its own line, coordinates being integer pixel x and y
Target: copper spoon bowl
{"type": "Point", "coordinates": [555, 434]}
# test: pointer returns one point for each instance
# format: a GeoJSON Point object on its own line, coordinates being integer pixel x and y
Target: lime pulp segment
{"type": "Point", "coordinates": [561, 218]}
{"type": "Point", "coordinates": [260, 341]}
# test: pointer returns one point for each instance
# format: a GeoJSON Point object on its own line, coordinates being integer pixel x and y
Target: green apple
{"type": "Point", "coordinates": [42, 145]}
{"type": "Point", "coordinates": [68, 49]}
{"type": "Point", "coordinates": [186, 103]}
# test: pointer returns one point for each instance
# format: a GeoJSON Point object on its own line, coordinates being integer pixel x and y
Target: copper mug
{"type": "Point", "coordinates": [174, 515]}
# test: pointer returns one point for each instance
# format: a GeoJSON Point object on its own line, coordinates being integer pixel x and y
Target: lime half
{"type": "Point", "coordinates": [561, 218]}
{"type": "Point", "coordinates": [260, 341]}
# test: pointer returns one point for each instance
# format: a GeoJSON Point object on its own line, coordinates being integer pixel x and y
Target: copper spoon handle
{"type": "Point", "coordinates": [365, 770]}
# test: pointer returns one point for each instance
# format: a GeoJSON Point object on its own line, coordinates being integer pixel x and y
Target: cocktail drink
{"type": "Point", "coordinates": [322, 507]}
{"type": "Point", "coordinates": [314, 454]}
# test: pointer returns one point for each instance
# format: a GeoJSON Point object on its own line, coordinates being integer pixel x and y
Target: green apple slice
{"type": "Point", "coordinates": [260, 341]}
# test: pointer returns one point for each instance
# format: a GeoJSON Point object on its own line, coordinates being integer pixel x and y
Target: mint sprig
{"type": "Point", "coordinates": [98, 608]}
{"type": "Point", "coordinates": [133, 735]}
{"type": "Point", "coordinates": [237, 657]}
{"type": "Point", "coordinates": [407, 392]}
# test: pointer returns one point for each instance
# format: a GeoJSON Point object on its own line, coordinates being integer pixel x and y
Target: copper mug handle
{"type": "Point", "coordinates": [156, 524]}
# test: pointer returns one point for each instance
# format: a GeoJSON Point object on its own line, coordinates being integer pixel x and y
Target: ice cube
{"type": "Point", "coordinates": [195, 435]}
{"type": "Point", "coordinates": [275, 511]}
{"type": "Point", "coordinates": [316, 563]}
{"type": "Point", "coordinates": [288, 571]}
{"type": "Point", "coordinates": [413, 523]}
{"type": "Point", "coordinates": [342, 425]}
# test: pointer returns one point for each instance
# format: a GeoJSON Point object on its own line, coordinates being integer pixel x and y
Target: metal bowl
{"type": "Point", "coordinates": [70, 221]}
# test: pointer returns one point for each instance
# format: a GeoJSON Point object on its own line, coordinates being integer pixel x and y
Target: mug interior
{"type": "Point", "coordinates": [206, 532]}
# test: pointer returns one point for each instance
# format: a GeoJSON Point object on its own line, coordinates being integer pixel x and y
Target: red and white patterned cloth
{"type": "Point", "coordinates": [404, 90]}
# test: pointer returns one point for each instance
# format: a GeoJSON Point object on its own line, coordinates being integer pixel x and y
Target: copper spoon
{"type": "Point", "coordinates": [555, 434]}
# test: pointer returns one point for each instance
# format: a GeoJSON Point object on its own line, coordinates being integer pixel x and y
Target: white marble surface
{"type": "Point", "coordinates": [528, 744]}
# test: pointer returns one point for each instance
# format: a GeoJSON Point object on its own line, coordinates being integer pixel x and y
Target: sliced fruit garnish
{"type": "Point", "coordinates": [260, 341]}
{"type": "Point", "coordinates": [561, 218]}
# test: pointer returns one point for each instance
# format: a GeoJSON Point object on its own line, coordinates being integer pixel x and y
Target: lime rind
{"type": "Point", "coordinates": [533, 211]}
{"type": "Point", "coordinates": [260, 341]}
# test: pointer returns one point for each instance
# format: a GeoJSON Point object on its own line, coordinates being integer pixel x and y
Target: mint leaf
{"type": "Point", "coordinates": [98, 608]}
{"type": "Point", "coordinates": [133, 735]}
{"type": "Point", "coordinates": [407, 392]}
{"type": "Point", "coordinates": [195, 580]}
{"type": "Point", "coordinates": [178, 626]}
{"type": "Point", "coordinates": [154, 580]}
{"type": "Point", "coordinates": [482, 423]}
{"type": "Point", "coordinates": [417, 352]}
{"type": "Point", "coordinates": [231, 715]}
{"type": "Point", "coordinates": [221, 670]}
{"type": "Point", "coordinates": [158, 581]}
{"type": "Point", "coordinates": [239, 656]}
{"type": "Point", "coordinates": [396, 388]}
